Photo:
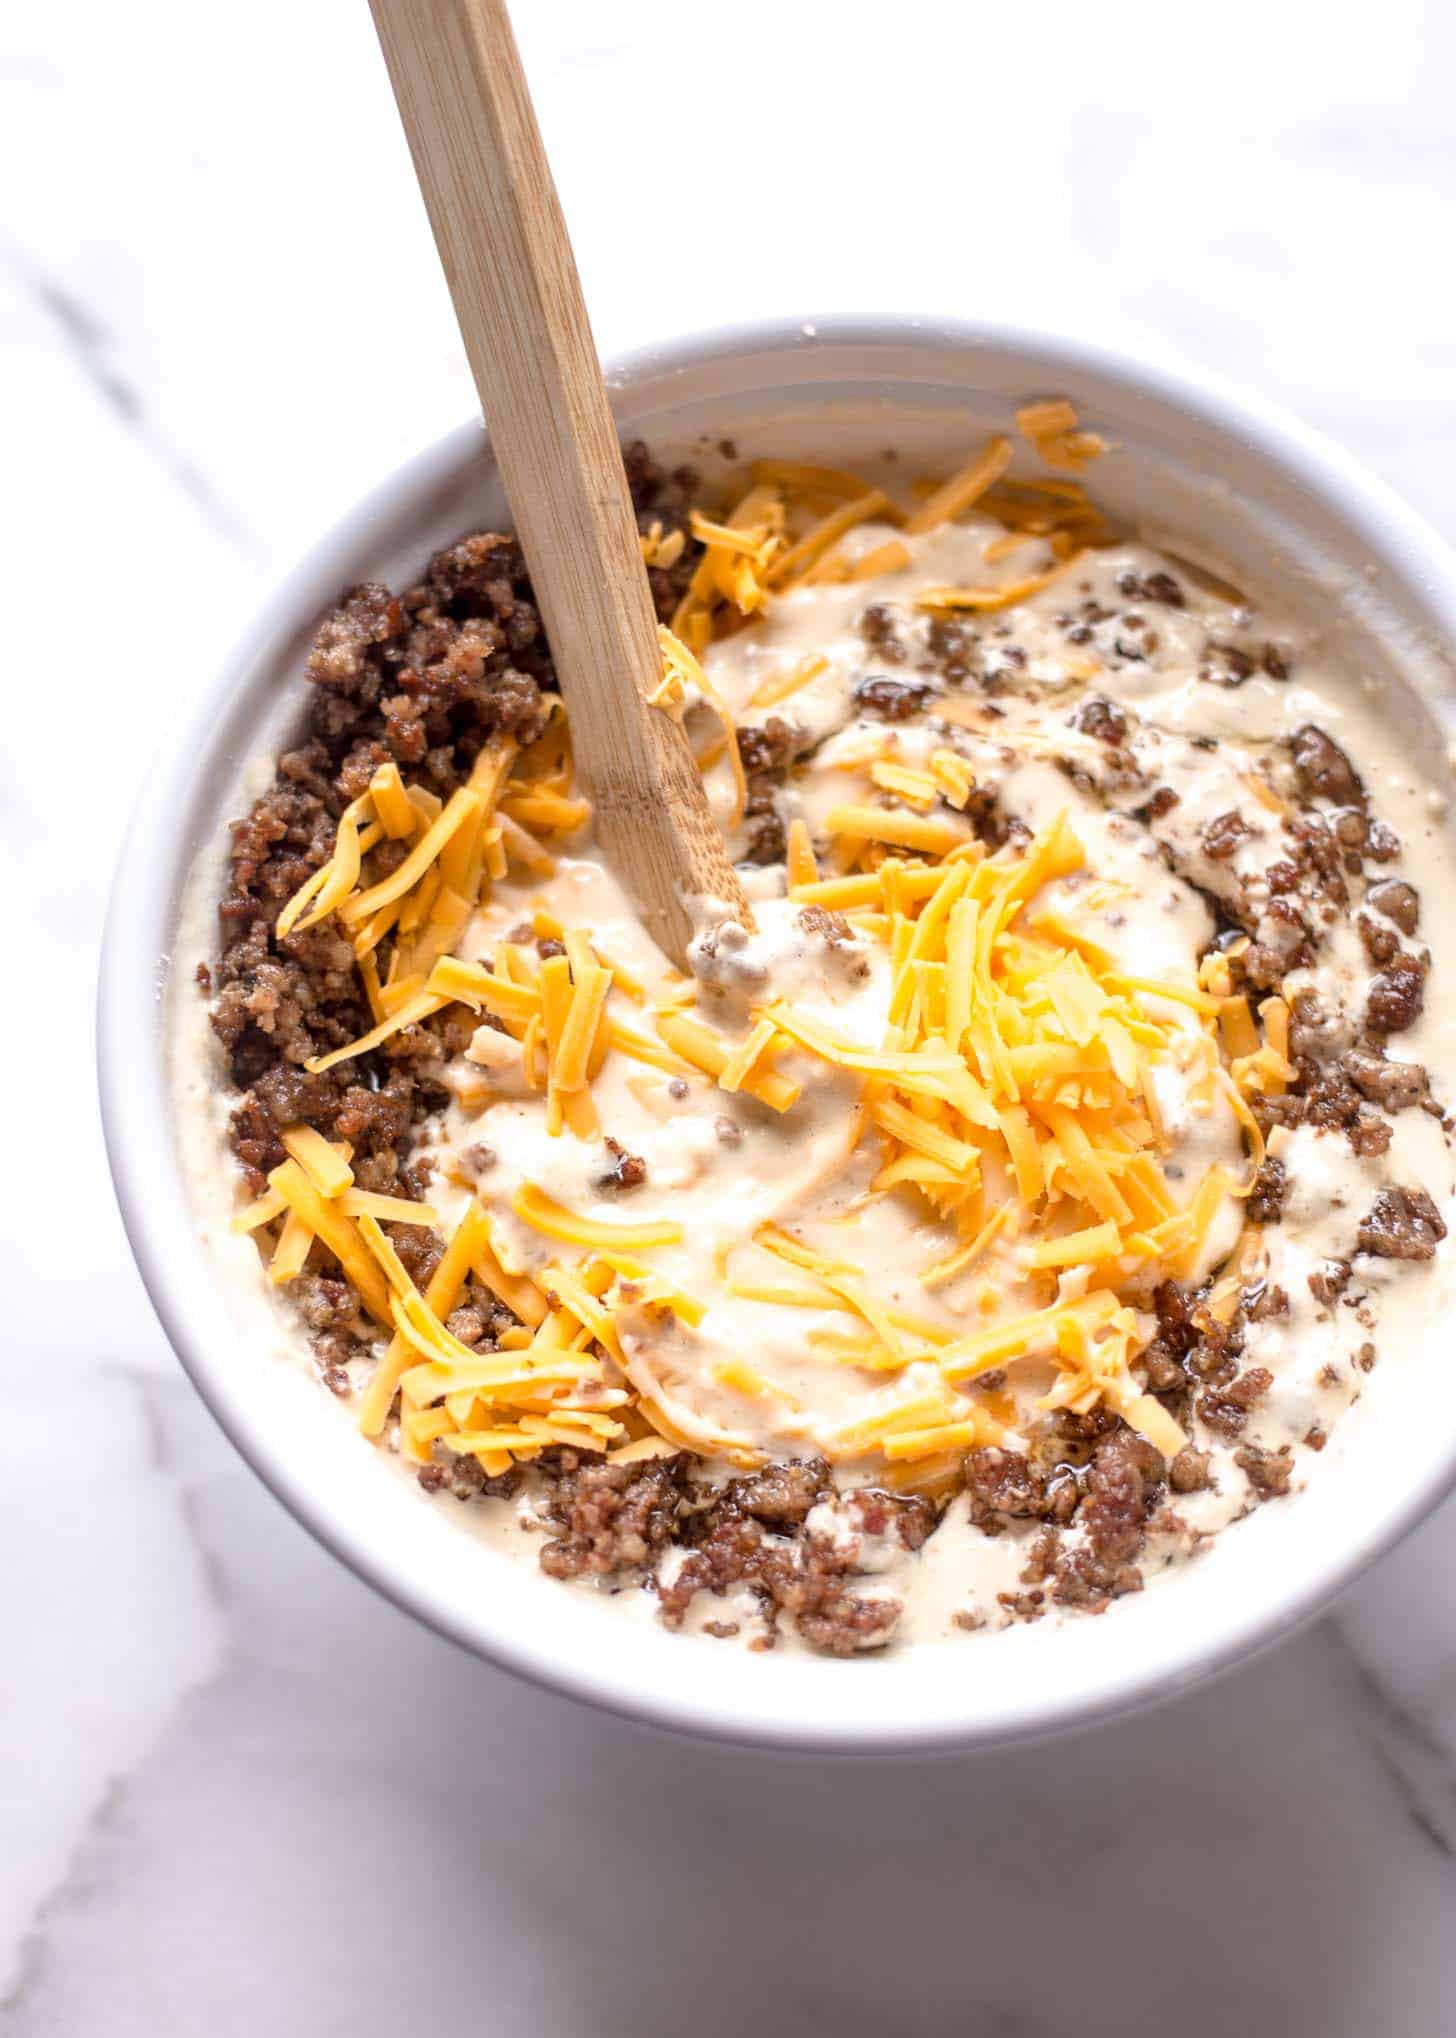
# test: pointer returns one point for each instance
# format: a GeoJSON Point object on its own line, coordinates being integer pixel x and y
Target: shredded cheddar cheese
{"type": "Point", "coordinates": [777, 689]}
{"type": "Point", "coordinates": [1052, 427]}
{"type": "Point", "coordinates": [550, 1218]}
{"type": "Point", "coordinates": [684, 676]}
{"type": "Point", "coordinates": [954, 497]}
{"type": "Point", "coordinates": [326, 1166]}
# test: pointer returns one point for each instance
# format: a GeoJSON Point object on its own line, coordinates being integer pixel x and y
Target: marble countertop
{"type": "Point", "coordinates": [221, 320]}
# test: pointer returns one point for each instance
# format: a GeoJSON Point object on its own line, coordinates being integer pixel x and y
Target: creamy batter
{"type": "Point", "coordinates": [1154, 718]}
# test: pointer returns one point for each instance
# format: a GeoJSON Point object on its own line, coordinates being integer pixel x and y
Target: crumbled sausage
{"type": "Point", "coordinates": [344, 644]}
{"type": "Point", "coordinates": [1188, 1473]}
{"type": "Point", "coordinates": [1264, 1300]}
{"type": "Point", "coordinates": [1124, 1484]}
{"type": "Point", "coordinates": [877, 626]}
{"type": "Point", "coordinates": [766, 749]}
{"type": "Point", "coordinates": [766, 746]}
{"type": "Point", "coordinates": [1329, 1281]}
{"type": "Point", "coordinates": [1101, 718]}
{"type": "Point", "coordinates": [952, 646]}
{"type": "Point", "coordinates": [811, 1578]}
{"type": "Point", "coordinates": [1393, 1085]}
{"type": "Point", "coordinates": [1381, 944]}
{"type": "Point", "coordinates": [1226, 1409]}
{"type": "Point", "coordinates": [1316, 1030]}
{"type": "Point", "coordinates": [468, 1324]}
{"type": "Point", "coordinates": [610, 1517]}
{"type": "Point", "coordinates": [1369, 1135]}
{"type": "Point", "coordinates": [1162, 801]}
{"type": "Point", "coordinates": [1324, 1095]}
{"type": "Point", "coordinates": [1396, 997]}
{"type": "Point", "coordinates": [1401, 1224]}
{"type": "Point", "coordinates": [424, 679]}
{"type": "Point", "coordinates": [782, 1495]}
{"type": "Point", "coordinates": [1002, 1485]}
{"type": "Point", "coordinates": [893, 700]}
{"type": "Point", "coordinates": [1398, 902]}
{"type": "Point", "coordinates": [1281, 943]}
{"type": "Point", "coordinates": [1268, 1471]}
{"type": "Point", "coordinates": [1352, 830]}
{"type": "Point", "coordinates": [1322, 769]}
{"type": "Point", "coordinates": [1266, 1199]}
{"type": "Point", "coordinates": [1228, 665]}
{"type": "Point", "coordinates": [623, 1170]}
{"type": "Point", "coordinates": [1223, 835]}
{"type": "Point", "coordinates": [1382, 844]}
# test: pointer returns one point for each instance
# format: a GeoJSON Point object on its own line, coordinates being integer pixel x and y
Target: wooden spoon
{"type": "Point", "coordinates": [502, 240]}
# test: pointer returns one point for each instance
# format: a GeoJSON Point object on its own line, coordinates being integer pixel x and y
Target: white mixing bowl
{"type": "Point", "coordinates": [1282, 509]}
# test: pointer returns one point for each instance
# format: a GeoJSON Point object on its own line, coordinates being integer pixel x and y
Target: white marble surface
{"type": "Point", "coordinates": [219, 321]}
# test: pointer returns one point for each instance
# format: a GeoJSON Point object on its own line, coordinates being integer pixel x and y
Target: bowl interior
{"type": "Point", "coordinates": [1274, 510]}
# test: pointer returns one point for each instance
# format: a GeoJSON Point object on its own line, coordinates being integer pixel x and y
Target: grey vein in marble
{"type": "Point", "coordinates": [90, 345]}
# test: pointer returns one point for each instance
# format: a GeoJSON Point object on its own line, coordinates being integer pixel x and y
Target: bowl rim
{"type": "Point", "coordinates": [132, 1011]}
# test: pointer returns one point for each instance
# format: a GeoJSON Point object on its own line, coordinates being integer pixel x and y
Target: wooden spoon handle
{"type": "Point", "coordinates": [502, 240]}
